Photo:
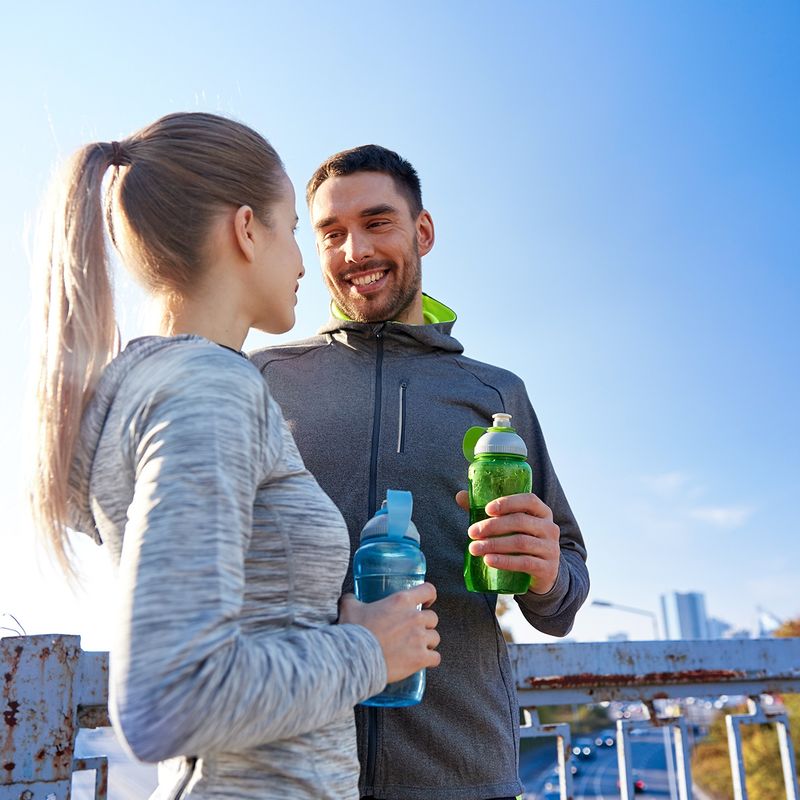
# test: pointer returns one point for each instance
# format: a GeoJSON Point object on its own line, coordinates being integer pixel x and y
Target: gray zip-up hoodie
{"type": "Point", "coordinates": [377, 406]}
{"type": "Point", "coordinates": [230, 563]}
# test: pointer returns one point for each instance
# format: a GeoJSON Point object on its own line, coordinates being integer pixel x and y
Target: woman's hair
{"type": "Point", "coordinates": [169, 182]}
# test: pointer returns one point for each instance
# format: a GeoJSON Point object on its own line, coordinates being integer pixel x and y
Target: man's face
{"type": "Point", "coordinates": [370, 247]}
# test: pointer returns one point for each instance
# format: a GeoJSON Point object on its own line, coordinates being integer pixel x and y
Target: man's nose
{"type": "Point", "coordinates": [358, 247]}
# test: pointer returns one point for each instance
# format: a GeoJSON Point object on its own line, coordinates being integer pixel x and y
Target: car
{"type": "Point", "coordinates": [583, 748]}
{"type": "Point", "coordinates": [638, 784]}
{"type": "Point", "coordinates": [555, 777]}
{"type": "Point", "coordinates": [605, 738]}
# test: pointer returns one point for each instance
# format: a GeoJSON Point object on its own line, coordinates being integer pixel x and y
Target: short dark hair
{"type": "Point", "coordinates": [370, 158]}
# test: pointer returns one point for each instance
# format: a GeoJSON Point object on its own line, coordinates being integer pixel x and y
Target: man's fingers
{"type": "Point", "coordinates": [514, 523]}
{"type": "Point", "coordinates": [516, 543]}
{"type": "Point", "coordinates": [519, 503]}
{"type": "Point", "coordinates": [462, 498]}
{"type": "Point", "coordinates": [514, 563]}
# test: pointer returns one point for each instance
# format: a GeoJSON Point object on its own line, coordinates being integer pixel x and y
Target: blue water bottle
{"type": "Point", "coordinates": [389, 560]}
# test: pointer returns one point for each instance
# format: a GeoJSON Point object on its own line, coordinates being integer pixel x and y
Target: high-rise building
{"type": "Point", "coordinates": [718, 628]}
{"type": "Point", "coordinates": [685, 615]}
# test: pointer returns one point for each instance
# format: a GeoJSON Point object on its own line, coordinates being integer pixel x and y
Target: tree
{"type": "Point", "coordinates": [711, 759]}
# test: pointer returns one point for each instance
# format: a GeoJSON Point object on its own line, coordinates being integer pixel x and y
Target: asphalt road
{"type": "Point", "coordinates": [597, 776]}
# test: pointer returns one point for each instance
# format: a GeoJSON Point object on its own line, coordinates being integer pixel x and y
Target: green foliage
{"type": "Point", "coordinates": [711, 760]}
{"type": "Point", "coordinates": [582, 720]}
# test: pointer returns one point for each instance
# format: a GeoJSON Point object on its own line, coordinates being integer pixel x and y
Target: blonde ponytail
{"type": "Point", "coordinates": [170, 182]}
{"type": "Point", "coordinates": [76, 330]}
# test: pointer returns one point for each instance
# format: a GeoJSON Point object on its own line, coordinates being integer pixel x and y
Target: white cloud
{"type": "Point", "coordinates": [667, 483]}
{"type": "Point", "coordinates": [723, 516]}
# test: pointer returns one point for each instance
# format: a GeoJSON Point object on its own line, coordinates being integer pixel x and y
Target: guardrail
{"type": "Point", "coordinates": [51, 688]}
{"type": "Point", "coordinates": [593, 672]}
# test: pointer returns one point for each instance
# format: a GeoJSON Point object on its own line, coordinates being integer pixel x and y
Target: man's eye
{"type": "Point", "coordinates": [330, 236]}
{"type": "Point", "coordinates": [377, 223]}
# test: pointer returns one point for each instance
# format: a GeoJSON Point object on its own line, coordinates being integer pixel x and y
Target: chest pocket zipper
{"type": "Point", "coordinates": [401, 417]}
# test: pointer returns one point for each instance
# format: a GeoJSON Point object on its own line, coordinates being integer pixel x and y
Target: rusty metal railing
{"type": "Point", "coordinates": [51, 688]}
{"type": "Point", "coordinates": [649, 672]}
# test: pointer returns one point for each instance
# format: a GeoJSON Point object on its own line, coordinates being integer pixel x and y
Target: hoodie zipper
{"type": "Point", "coordinates": [401, 425]}
{"type": "Point", "coordinates": [376, 428]}
{"type": "Point", "coordinates": [372, 712]}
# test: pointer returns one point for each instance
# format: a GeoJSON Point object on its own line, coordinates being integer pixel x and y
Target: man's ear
{"type": "Point", "coordinates": [243, 229]}
{"type": "Point", "coordinates": [425, 232]}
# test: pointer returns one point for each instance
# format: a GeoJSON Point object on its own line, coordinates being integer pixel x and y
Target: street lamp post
{"type": "Point", "coordinates": [632, 610]}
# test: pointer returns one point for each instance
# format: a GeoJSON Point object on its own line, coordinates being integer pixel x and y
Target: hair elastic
{"type": "Point", "coordinates": [118, 157]}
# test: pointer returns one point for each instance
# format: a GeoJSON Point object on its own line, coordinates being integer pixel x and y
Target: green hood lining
{"type": "Point", "coordinates": [432, 310]}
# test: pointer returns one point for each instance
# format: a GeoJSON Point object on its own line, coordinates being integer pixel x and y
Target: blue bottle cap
{"type": "Point", "coordinates": [393, 518]}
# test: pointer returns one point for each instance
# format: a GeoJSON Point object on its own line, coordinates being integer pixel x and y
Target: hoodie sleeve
{"type": "Point", "coordinates": [186, 679]}
{"type": "Point", "coordinates": [552, 613]}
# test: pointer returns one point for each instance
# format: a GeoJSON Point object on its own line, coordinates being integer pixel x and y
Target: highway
{"type": "Point", "coordinates": [597, 775]}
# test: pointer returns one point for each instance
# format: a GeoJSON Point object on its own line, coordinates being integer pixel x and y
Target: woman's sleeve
{"type": "Point", "coordinates": [185, 678]}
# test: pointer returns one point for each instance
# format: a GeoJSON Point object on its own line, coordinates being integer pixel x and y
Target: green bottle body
{"type": "Point", "coordinates": [490, 476]}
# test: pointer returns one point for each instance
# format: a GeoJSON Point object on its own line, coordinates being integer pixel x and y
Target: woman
{"type": "Point", "coordinates": [226, 657]}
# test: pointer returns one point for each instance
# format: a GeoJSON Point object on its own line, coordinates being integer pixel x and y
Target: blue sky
{"type": "Point", "coordinates": [615, 187]}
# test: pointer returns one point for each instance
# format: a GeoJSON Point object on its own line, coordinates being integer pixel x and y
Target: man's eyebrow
{"type": "Point", "coordinates": [383, 208]}
{"type": "Point", "coordinates": [372, 211]}
{"type": "Point", "coordinates": [324, 222]}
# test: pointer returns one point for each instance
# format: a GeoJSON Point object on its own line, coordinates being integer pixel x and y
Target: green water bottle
{"type": "Point", "coordinates": [498, 467]}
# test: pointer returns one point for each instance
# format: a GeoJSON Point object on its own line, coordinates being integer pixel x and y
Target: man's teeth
{"type": "Point", "coordinates": [367, 279]}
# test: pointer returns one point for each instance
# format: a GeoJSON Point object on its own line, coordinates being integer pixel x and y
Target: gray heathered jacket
{"type": "Point", "coordinates": [385, 406]}
{"type": "Point", "coordinates": [230, 562]}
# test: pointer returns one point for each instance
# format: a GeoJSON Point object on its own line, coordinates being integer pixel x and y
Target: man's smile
{"type": "Point", "coordinates": [366, 281]}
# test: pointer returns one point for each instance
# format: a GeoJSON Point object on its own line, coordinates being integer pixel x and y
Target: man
{"type": "Point", "coordinates": [381, 399]}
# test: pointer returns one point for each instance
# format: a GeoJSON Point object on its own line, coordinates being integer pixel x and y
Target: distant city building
{"type": "Point", "coordinates": [618, 637]}
{"type": "Point", "coordinates": [718, 628]}
{"type": "Point", "coordinates": [685, 615]}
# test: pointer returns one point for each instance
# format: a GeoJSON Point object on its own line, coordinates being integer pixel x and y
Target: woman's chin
{"type": "Point", "coordinates": [276, 326]}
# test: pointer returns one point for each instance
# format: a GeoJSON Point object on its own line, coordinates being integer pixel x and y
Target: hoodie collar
{"type": "Point", "coordinates": [434, 334]}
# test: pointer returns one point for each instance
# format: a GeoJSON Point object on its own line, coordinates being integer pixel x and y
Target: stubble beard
{"type": "Point", "coordinates": [392, 302]}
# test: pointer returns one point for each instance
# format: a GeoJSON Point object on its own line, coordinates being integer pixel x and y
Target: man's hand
{"type": "Point", "coordinates": [520, 536]}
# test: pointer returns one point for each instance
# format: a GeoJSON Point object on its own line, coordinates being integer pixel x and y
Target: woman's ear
{"type": "Point", "coordinates": [243, 225]}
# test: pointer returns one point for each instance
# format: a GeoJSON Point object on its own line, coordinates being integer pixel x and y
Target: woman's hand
{"type": "Point", "coordinates": [406, 633]}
